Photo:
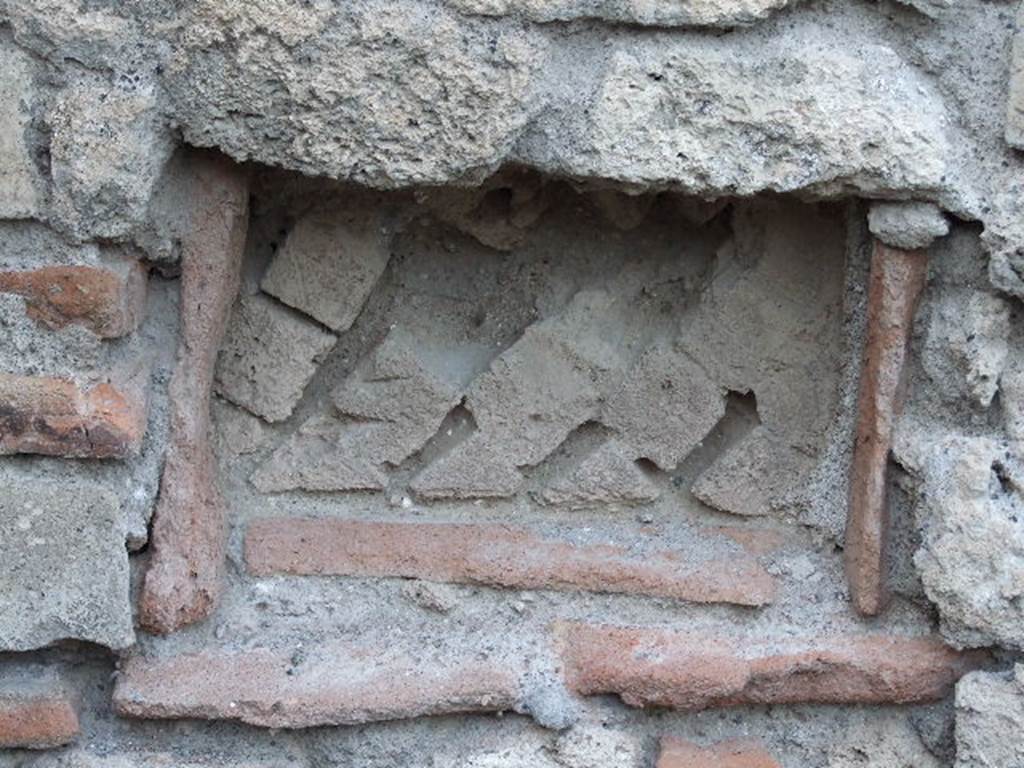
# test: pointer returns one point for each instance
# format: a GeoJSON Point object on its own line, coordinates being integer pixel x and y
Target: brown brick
{"type": "Point", "coordinates": [671, 668]}
{"type": "Point", "coordinates": [54, 417]}
{"type": "Point", "coordinates": [333, 686]}
{"type": "Point", "coordinates": [36, 721]}
{"type": "Point", "coordinates": [184, 576]}
{"type": "Point", "coordinates": [108, 301]}
{"type": "Point", "coordinates": [495, 555]}
{"type": "Point", "coordinates": [897, 279]}
{"type": "Point", "coordinates": [679, 753]}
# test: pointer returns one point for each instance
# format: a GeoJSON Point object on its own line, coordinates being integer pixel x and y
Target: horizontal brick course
{"type": "Point", "coordinates": [680, 753]}
{"type": "Point", "coordinates": [670, 668]}
{"type": "Point", "coordinates": [55, 417]}
{"type": "Point", "coordinates": [32, 721]}
{"type": "Point", "coordinates": [494, 555]}
{"type": "Point", "coordinates": [338, 685]}
{"type": "Point", "coordinates": [108, 301]}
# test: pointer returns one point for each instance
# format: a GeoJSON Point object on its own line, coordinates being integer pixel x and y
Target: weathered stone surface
{"type": "Point", "coordinates": [1015, 103]}
{"type": "Point", "coordinates": [20, 185]}
{"type": "Point", "coordinates": [889, 742]}
{"type": "Point", "coordinates": [498, 555]}
{"type": "Point", "coordinates": [673, 668]}
{"type": "Point", "coordinates": [399, 396]}
{"type": "Point", "coordinates": [967, 343]}
{"type": "Point", "coordinates": [897, 279]}
{"type": "Point", "coordinates": [768, 326]}
{"type": "Point", "coordinates": [1011, 394]}
{"type": "Point", "coordinates": [498, 213]}
{"type": "Point", "coordinates": [108, 148]}
{"type": "Point", "coordinates": [269, 355]}
{"type": "Point", "coordinates": [533, 395]}
{"type": "Point", "coordinates": [35, 711]}
{"type": "Point", "coordinates": [971, 558]}
{"type": "Point", "coordinates": [680, 753]}
{"type": "Point", "coordinates": [183, 580]}
{"type": "Point", "coordinates": [108, 300]}
{"type": "Point", "coordinates": [608, 475]}
{"type": "Point", "coordinates": [990, 719]}
{"type": "Point", "coordinates": [334, 685]}
{"type": "Point", "coordinates": [329, 264]}
{"type": "Point", "coordinates": [751, 476]}
{"type": "Point", "coordinates": [56, 417]}
{"type": "Point", "coordinates": [695, 13]}
{"type": "Point", "coordinates": [907, 225]}
{"type": "Point", "coordinates": [687, 404]}
{"type": "Point", "coordinates": [390, 406]}
{"type": "Point", "coordinates": [63, 565]}
{"type": "Point", "coordinates": [322, 456]}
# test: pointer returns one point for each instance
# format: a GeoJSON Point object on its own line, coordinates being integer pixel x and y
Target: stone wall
{"type": "Point", "coordinates": [553, 384]}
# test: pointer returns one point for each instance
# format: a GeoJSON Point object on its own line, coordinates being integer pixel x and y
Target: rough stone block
{"type": "Point", "coordinates": [666, 406]}
{"type": "Point", "coordinates": [907, 225]}
{"type": "Point", "coordinates": [107, 149]}
{"type": "Point", "coordinates": [269, 355]}
{"type": "Point", "coordinates": [531, 398]}
{"type": "Point", "coordinates": [642, 12]}
{"type": "Point", "coordinates": [608, 475]}
{"type": "Point", "coordinates": [35, 712]}
{"type": "Point", "coordinates": [328, 265]}
{"type": "Point", "coordinates": [56, 417]}
{"type": "Point", "coordinates": [972, 552]}
{"type": "Point", "coordinates": [63, 565]}
{"type": "Point", "coordinates": [19, 180]}
{"type": "Point", "coordinates": [967, 343]}
{"type": "Point", "coordinates": [500, 556]}
{"type": "Point", "coordinates": [680, 753]}
{"type": "Point", "coordinates": [990, 719]}
{"type": "Point", "coordinates": [108, 300]}
{"type": "Point", "coordinates": [334, 685]}
{"type": "Point", "coordinates": [749, 478]}
{"type": "Point", "coordinates": [673, 668]}
{"type": "Point", "coordinates": [1015, 103]}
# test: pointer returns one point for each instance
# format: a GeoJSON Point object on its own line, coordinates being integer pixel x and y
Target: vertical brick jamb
{"type": "Point", "coordinates": [897, 279]}
{"type": "Point", "coordinates": [184, 577]}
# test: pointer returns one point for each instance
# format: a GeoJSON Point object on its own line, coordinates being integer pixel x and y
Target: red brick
{"type": "Point", "coordinates": [339, 685]}
{"type": "Point", "coordinates": [55, 417]}
{"type": "Point", "coordinates": [897, 279]}
{"type": "Point", "coordinates": [671, 668]}
{"type": "Point", "coordinates": [36, 721]}
{"type": "Point", "coordinates": [183, 580]}
{"type": "Point", "coordinates": [108, 301]}
{"type": "Point", "coordinates": [495, 555]}
{"type": "Point", "coordinates": [679, 753]}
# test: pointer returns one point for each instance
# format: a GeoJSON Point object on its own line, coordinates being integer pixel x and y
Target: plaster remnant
{"type": "Point", "coordinates": [896, 281]}
{"type": "Point", "coordinates": [907, 225]}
